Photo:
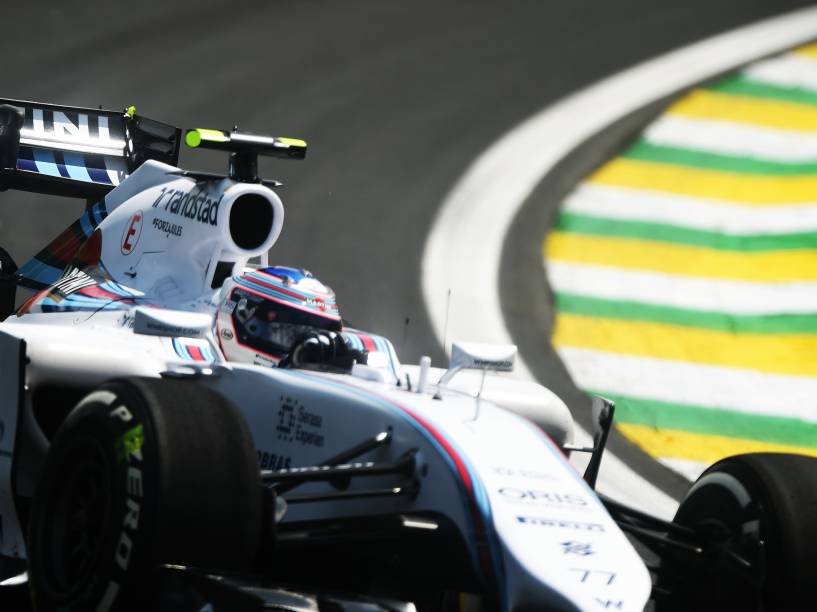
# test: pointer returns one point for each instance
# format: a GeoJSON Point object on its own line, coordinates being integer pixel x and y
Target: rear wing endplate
{"type": "Point", "coordinates": [77, 152]}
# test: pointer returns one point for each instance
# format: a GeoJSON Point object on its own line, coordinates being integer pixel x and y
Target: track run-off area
{"type": "Point", "coordinates": [685, 271]}
{"type": "Point", "coordinates": [460, 266]}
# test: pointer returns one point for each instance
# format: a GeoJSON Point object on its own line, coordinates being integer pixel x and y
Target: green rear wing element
{"type": "Point", "coordinates": [245, 148]}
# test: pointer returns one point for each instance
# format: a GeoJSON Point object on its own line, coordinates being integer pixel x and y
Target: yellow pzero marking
{"type": "Point", "coordinates": [710, 184]}
{"type": "Point", "coordinates": [700, 447]}
{"type": "Point", "coordinates": [776, 114]}
{"type": "Point", "coordinates": [769, 266]}
{"type": "Point", "coordinates": [809, 50]}
{"type": "Point", "coordinates": [791, 354]}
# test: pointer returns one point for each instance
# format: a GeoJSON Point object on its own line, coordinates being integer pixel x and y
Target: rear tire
{"type": "Point", "coordinates": [758, 507]}
{"type": "Point", "coordinates": [142, 472]}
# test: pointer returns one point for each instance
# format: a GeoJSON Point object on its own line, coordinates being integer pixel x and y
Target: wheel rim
{"type": "Point", "coordinates": [734, 534]}
{"type": "Point", "coordinates": [79, 520]}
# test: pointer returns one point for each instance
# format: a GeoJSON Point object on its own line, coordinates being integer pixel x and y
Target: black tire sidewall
{"type": "Point", "coordinates": [783, 493]}
{"type": "Point", "coordinates": [178, 455]}
{"type": "Point", "coordinates": [121, 429]}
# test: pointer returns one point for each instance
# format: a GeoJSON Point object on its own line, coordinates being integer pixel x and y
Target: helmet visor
{"type": "Point", "coordinates": [274, 327]}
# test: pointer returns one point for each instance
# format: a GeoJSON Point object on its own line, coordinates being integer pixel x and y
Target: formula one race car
{"type": "Point", "coordinates": [140, 468]}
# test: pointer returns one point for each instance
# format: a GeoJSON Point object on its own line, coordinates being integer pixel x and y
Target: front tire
{"type": "Point", "coordinates": [142, 472]}
{"type": "Point", "coordinates": [756, 513]}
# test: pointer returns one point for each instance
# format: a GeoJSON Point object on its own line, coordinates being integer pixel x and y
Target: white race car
{"type": "Point", "coordinates": [150, 458]}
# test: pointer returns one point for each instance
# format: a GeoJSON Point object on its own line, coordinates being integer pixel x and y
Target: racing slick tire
{"type": "Point", "coordinates": [759, 512]}
{"type": "Point", "coordinates": [142, 472]}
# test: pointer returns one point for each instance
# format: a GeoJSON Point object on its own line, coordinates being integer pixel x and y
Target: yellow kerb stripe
{"type": "Point", "coordinates": [776, 114]}
{"type": "Point", "coordinates": [710, 184]}
{"type": "Point", "coordinates": [807, 50]}
{"type": "Point", "coordinates": [780, 266]}
{"type": "Point", "coordinates": [699, 447]}
{"type": "Point", "coordinates": [773, 353]}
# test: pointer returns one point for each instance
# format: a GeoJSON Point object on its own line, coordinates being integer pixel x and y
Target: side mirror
{"type": "Point", "coordinates": [171, 323]}
{"type": "Point", "coordinates": [479, 356]}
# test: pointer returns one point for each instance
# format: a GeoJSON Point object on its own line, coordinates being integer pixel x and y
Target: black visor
{"type": "Point", "coordinates": [273, 327]}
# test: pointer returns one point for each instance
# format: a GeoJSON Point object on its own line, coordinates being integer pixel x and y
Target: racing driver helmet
{"type": "Point", "coordinates": [263, 313]}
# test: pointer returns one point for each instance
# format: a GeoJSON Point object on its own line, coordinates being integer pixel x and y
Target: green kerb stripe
{"type": "Point", "coordinates": [743, 86]}
{"type": "Point", "coordinates": [645, 151]}
{"type": "Point", "coordinates": [718, 321]}
{"type": "Point", "coordinates": [694, 419]}
{"type": "Point", "coordinates": [602, 226]}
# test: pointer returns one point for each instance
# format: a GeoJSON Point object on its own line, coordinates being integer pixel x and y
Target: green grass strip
{"type": "Point", "coordinates": [742, 86]}
{"type": "Point", "coordinates": [645, 151]}
{"type": "Point", "coordinates": [716, 422]}
{"type": "Point", "coordinates": [660, 232]}
{"type": "Point", "coordinates": [717, 321]}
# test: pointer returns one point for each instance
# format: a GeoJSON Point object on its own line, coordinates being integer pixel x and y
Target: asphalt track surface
{"type": "Point", "coordinates": [395, 100]}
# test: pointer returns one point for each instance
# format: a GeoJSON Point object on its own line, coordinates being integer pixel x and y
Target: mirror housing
{"type": "Point", "coordinates": [479, 356]}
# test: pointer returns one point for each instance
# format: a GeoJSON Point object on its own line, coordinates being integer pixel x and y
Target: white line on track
{"type": "Point", "coordinates": [707, 294]}
{"type": "Point", "coordinates": [463, 248]}
{"type": "Point", "coordinates": [788, 70]}
{"type": "Point", "coordinates": [732, 138]}
{"type": "Point", "coordinates": [694, 384]}
{"type": "Point", "coordinates": [622, 203]}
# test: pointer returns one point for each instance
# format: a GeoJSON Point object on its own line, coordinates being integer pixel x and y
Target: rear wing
{"type": "Point", "coordinates": [77, 152]}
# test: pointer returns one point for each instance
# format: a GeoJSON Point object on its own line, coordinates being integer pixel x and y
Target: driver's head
{"type": "Point", "coordinates": [263, 312]}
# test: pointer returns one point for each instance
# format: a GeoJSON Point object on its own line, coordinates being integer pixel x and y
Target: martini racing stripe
{"type": "Point", "coordinates": [690, 293]}
{"type": "Point", "coordinates": [194, 350]}
{"type": "Point", "coordinates": [108, 295]}
{"type": "Point", "coordinates": [363, 341]}
{"type": "Point", "coordinates": [729, 138]}
{"type": "Point", "coordinates": [75, 165]}
{"type": "Point", "coordinates": [45, 163]}
{"type": "Point", "coordinates": [758, 190]}
{"type": "Point", "coordinates": [774, 353]}
{"type": "Point", "coordinates": [672, 258]}
{"type": "Point", "coordinates": [86, 167]}
{"type": "Point", "coordinates": [46, 267]}
{"type": "Point", "coordinates": [697, 213]}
